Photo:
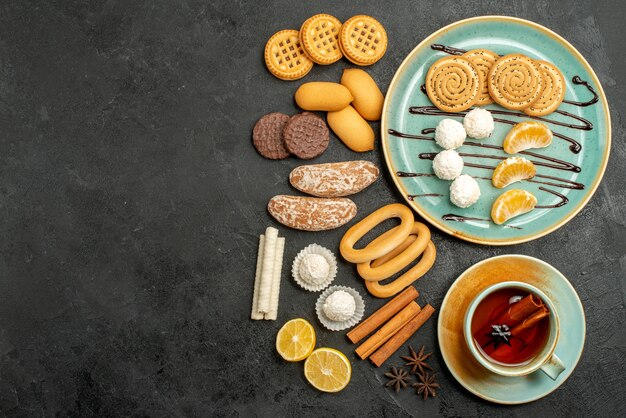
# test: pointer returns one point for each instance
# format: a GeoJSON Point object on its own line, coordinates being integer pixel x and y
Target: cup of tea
{"type": "Point", "coordinates": [512, 328]}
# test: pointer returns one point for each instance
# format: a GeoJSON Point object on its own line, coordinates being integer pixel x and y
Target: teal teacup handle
{"type": "Point", "coordinates": [553, 367]}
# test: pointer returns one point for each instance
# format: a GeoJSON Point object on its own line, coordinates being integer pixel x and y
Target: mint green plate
{"type": "Point", "coordinates": [429, 196]}
{"type": "Point", "coordinates": [475, 377]}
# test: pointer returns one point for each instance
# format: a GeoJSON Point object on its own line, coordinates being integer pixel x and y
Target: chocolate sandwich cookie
{"type": "Point", "coordinates": [306, 135]}
{"type": "Point", "coordinates": [267, 136]}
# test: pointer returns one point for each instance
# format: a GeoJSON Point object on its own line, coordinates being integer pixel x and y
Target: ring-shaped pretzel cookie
{"type": "Point", "coordinates": [400, 257]}
{"type": "Point", "coordinates": [382, 247]}
{"type": "Point", "coordinates": [386, 290]}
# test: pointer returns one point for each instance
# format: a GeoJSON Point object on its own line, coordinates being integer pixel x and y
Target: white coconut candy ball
{"type": "Point", "coordinates": [478, 123]}
{"type": "Point", "coordinates": [449, 134]}
{"type": "Point", "coordinates": [339, 306]}
{"type": "Point", "coordinates": [448, 164]}
{"type": "Point", "coordinates": [464, 191]}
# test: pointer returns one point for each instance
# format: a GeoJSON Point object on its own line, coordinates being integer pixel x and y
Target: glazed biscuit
{"type": "Point", "coordinates": [363, 40]}
{"type": "Point", "coordinates": [284, 56]}
{"type": "Point", "coordinates": [334, 179]}
{"type": "Point", "coordinates": [319, 36]}
{"type": "Point", "coordinates": [552, 90]}
{"type": "Point", "coordinates": [515, 81]}
{"type": "Point", "coordinates": [311, 213]}
{"type": "Point", "coordinates": [453, 84]}
{"type": "Point", "coordinates": [483, 60]}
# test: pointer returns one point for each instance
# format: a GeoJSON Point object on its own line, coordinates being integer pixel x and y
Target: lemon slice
{"type": "Point", "coordinates": [511, 170]}
{"type": "Point", "coordinates": [328, 370]}
{"type": "Point", "coordinates": [295, 340]}
{"type": "Point", "coordinates": [527, 135]}
{"type": "Point", "coordinates": [512, 203]}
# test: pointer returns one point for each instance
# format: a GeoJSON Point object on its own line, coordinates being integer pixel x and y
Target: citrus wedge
{"type": "Point", "coordinates": [328, 370]}
{"type": "Point", "coordinates": [295, 340]}
{"type": "Point", "coordinates": [512, 203]}
{"type": "Point", "coordinates": [511, 170]}
{"type": "Point", "coordinates": [527, 135]}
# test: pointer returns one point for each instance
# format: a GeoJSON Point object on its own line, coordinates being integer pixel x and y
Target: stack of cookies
{"type": "Point", "coordinates": [479, 77]}
{"type": "Point", "coordinates": [276, 135]}
{"type": "Point", "coordinates": [323, 40]}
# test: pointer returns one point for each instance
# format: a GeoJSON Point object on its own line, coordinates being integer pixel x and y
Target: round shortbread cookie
{"type": "Point", "coordinates": [319, 36]}
{"type": "Point", "coordinates": [552, 91]}
{"type": "Point", "coordinates": [483, 60]}
{"type": "Point", "coordinates": [515, 81]}
{"type": "Point", "coordinates": [363, 40]}
{"type": "Point", "coordinates": [453, 84]}
{"type": "Point", "coordinates": [284, 56]}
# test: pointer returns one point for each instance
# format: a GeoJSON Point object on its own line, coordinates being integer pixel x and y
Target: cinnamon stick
{"type": "Point", "coordinates": [383, 314]}
{"type": "Point", "coordinates": [394, 343]}
{"type": "Point", "coordinates": [520, 329]}
{"type": "Point", "coordinates": [388, 330]}
{"type": "Point", "coordinates": [531, 321]}
{"type": "Point", "coordinates": [512, 316]}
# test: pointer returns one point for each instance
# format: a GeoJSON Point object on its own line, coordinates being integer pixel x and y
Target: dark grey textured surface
{"type": "Point", "coordinates": [132, 199]}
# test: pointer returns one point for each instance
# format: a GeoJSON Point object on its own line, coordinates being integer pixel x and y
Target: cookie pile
{"type": "Point", "coordinates": [479, 77]}
{"type": "Point", "coordinates": [350, 104]}
{"type": "Point", "coordinates": [323, 39]}
{"type": "Point", "coordinates": [276, 135]}
{"type": "Point", "coordinates": [329, 183]}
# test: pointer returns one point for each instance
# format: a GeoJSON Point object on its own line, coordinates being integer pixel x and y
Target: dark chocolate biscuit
{"type": "Point", "coordinates": [306, 135]}
{"type": "Point", "coordinates": [267, 136]}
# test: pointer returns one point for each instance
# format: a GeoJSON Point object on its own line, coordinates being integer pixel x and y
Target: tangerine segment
{"type": "Point", "coordinates": [295, 341]}
{"type": "Point", "coordinates": [328, 370]}
{"type": "Point", "coordinates": [511, 170]}
{"type": "Point", "coordinates": [527, 135]}
{"type": "Point", "coordinates": [512, 203]}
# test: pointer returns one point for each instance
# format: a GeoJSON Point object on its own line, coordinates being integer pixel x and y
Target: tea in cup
{"type": "Point", "coordinates": [511, 328]}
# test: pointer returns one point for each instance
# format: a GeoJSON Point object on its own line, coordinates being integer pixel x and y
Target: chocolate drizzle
{"type": "Point", "coordinates": [411, 136]}
{"type": "Point", "coordinates": [558, 164]}
{"type": "Point", "coordinates": [563, 202]}
{"type": "Point", "coordinates": [460, 218]}
{"type": "Point", "coordinates": [566, 184]}
{"type": "Point", "coordinates": [413, 196]}
{"type": "Point", "coordinates": [577, 80]}
{"type": "Point", "coordinates": [448, 49]}
{"type": "Point", "coordinates": [407, 174]}
{"type": "Point", "coordinates": [552, 162]}
{"type": "Point", "coordinates": [575, 146]}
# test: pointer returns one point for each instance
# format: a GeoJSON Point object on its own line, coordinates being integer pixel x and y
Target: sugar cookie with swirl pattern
{"type": "Point", "coordinates": [453, 84]}
{"type": "Point", "coordinates": [515, 81]}
{"type": "Point", "coordinates": [552, 91]}
{"type": "Point", "coordinates": [483, 60]}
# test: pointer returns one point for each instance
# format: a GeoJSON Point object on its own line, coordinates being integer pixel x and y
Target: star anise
{"type": "Point", "coordinates": [500, 334]}
{"type": "Point", "coordinates": [426, 385]}
{"type": "Point", "coordinates": [417, 360]}
{"type": "Point", "coordinates": [398, 378]}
